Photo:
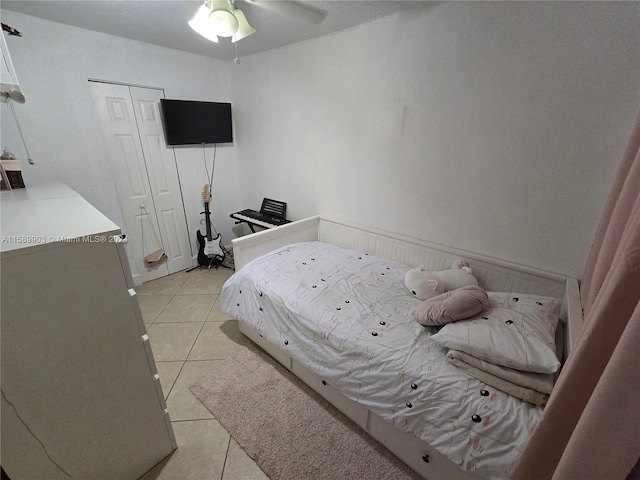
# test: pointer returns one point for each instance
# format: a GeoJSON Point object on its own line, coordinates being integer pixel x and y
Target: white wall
{"type": "Point", "coordinates": [492, 127]}
{"type": "Point", "coordinates": [53, 63]}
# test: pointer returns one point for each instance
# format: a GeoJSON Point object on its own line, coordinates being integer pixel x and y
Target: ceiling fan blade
{"type": "Point", "coordinates": [292, 9]}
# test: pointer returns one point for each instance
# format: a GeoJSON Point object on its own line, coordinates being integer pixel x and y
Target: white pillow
{"type": "Point", "coordinates": [515, 331]}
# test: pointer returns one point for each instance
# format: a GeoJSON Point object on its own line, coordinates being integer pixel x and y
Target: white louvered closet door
{"type": "Point", "coordinates": [145, 175]}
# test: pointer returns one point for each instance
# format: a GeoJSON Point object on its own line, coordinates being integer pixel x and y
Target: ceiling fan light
{"type": "Point", "coordinates": [222, 19]}
{"type": "Point", "coordinates": [244, 29]}
{"type": "Point", "coordinates": [200, 23]}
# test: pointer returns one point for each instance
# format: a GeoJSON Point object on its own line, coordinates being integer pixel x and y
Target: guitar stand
{"type": "Point", "coordinates": [200, 266]}
{"type": "Point", "coordinates": [211, 265]}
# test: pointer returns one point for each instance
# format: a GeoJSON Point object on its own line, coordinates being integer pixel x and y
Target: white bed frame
{"type": "Point", "coordinates": [492, 274]}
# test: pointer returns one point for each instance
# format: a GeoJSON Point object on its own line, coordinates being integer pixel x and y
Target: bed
{"type": "Point", "coordinates": [328, 302]}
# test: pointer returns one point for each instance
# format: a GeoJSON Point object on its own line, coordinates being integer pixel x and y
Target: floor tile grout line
{"type": "Point", "coordinates": [175, 381]}
{"type": "Point", "coordinates": [160, 312]}
{"type": "Point", "coordinates": [226, 456]}
{"type": "Point", "coordinates": [193, 321]}
{"type": "Point", "coordinates": [190, 350]}
{"type": "Point", "coordinates": [185, 294]}
{"type": "Point", "coordinates": [228, 462]}
{"type": "Point", "coordinates": [184, 362]}
{"type": "Point", "coordinates": [155, 320]}
{"type": "Point", "coordinates": [187, 321]}
{"type": "Point", "coordinates": [173, 384]}
{"type": "Point", "coordinates": [194, 342]}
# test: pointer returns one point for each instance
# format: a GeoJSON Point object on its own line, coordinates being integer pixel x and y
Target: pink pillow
{"type": "Point", "coordinates": [452, 306]}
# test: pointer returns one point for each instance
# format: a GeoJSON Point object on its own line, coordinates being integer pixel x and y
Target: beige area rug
{"type": "Point", "coordinates": [288, 429]}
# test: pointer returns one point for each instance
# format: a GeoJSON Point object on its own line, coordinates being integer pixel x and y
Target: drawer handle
{"type": "Point", "coordinates": [425, 458]}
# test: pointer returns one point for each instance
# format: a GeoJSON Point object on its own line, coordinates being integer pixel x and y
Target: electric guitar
{"type": "Point", "coordinates": [211, 251]}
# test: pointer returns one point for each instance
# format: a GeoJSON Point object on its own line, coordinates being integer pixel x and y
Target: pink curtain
{"type": "Point", "coordinates": [590, 428]}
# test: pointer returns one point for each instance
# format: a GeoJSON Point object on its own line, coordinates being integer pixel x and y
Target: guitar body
{"type": "Point", "coordinates": [209, 259]}
{"type": "Point", "coordinates": [210, 250]}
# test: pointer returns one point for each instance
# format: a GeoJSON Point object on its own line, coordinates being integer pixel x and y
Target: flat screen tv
{"type": "Point", "coordinates": [188, 122]}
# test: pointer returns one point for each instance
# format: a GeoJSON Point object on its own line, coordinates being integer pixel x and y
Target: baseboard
{"type": "Point", "coordinates": [137, 280]}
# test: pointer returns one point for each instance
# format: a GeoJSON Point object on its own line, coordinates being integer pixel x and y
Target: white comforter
{"type": "Point", "coordinates": [347, 316]}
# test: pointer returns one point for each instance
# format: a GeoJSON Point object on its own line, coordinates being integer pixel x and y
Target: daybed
{"type": "Point", "coordinates": [330, 305]}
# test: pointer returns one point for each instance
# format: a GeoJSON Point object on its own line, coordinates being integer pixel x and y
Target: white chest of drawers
{"type": "Point", "coordinates": [81, 396]}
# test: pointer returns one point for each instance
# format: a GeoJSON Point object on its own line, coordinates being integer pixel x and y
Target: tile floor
{"type": "Point", "coordinates": [189, 338]}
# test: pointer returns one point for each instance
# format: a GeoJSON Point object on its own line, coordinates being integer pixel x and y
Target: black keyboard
{"type": "Point", "coordinates": [261, 217]}
{"type": "Point", "coordinates": [273, 213]}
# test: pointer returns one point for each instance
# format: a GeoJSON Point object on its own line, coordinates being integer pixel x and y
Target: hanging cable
{"type": "Point", "coordinates": [204, 159]}
{"type": "Point", "coordinates": [210, 175]}
{"type": "Point", "coordinates": [159, 255]}
{"type": "Point", "coordinates": [213, 164]}
{"type": "Point", "coordinates": [15, 117]}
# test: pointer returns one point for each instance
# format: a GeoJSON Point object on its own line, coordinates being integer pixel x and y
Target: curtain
{"type": "Point", "coordinates": [590, 428]}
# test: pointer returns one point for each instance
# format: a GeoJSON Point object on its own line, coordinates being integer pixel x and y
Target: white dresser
{"type": "Point", "coordinates": [81, 397]}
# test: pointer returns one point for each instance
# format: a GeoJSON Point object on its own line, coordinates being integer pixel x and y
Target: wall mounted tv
{"type": "Point", "coordinates": [188, 122]}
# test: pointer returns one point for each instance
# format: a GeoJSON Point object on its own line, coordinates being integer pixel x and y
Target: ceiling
{"type": "Point", "coordinates": [164, 22]}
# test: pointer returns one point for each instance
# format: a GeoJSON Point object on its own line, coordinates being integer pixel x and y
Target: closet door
{"type": "Point", "coordinates": [163, 178]}
{"type": "Point", "coordinates": [145, 175]}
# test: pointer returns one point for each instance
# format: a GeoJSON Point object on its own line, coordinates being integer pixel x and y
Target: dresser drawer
{"type": "Point", "coordinates": [421, 457]}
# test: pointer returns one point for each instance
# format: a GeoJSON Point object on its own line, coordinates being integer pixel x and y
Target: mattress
{"type": "Point", "coordinates": [347, 316]}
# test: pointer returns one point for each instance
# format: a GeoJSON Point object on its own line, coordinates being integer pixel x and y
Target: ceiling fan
{"type": "Point", "coordinates": [222, 18]}
{"type": "Point", "coordinates": [292, 9]}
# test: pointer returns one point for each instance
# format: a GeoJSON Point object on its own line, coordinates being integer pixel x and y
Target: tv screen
{"type": "Point", "coordinates": [188, 122]}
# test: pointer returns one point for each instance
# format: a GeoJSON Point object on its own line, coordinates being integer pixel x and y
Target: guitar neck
{"type": "Point", "coordinates": [207, 221]}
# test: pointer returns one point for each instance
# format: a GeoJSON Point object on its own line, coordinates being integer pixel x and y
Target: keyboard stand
{"type": "Point", "coordinates": [251, 224]}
